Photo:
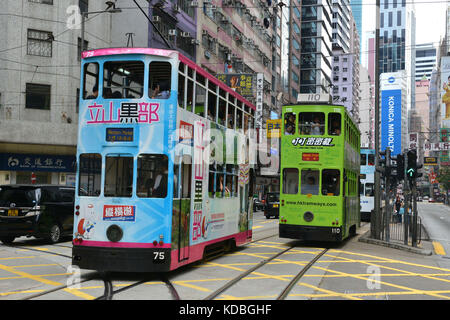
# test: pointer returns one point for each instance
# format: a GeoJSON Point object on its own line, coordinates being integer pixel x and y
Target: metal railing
{"type": "Point", "coordinates": [400, 228]}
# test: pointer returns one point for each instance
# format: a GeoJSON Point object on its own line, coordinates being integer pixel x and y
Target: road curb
{"type": "Point", "coordinates": [366, 239]}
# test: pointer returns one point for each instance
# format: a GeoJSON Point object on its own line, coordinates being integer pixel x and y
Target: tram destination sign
{"type": "Point", "coordinates": [119, 134]}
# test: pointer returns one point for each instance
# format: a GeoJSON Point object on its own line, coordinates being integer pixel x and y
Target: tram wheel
{"type": "Point", "coordinates": [7, 240]}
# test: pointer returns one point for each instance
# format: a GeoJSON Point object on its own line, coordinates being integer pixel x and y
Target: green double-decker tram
{"type": "Point", "coordinates": [319, 198]}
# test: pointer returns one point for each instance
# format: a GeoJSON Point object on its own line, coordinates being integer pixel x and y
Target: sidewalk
{"type": "Point", "coordinates": [423, 248]}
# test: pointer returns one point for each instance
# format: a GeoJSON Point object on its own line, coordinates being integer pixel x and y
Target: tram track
{"type": "Point", "coordinates": [108, 278]}
{"type": "Point", "coordinates": [285, 292]}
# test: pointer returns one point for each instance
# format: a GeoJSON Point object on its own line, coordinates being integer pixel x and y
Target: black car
{"type": "Point", "coordinates": [257, 205]}
{"type": "Point", "coordinates": [272, 207]}
{"type": "Point", "coordinates": [42, 211]}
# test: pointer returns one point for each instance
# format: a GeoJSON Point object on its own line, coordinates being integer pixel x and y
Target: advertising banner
{"type": "Point", "coordinates": [273, 128]}
{"type": "Point", "coordinates": [241, 83]}
{"type": "Point", "coordinates": [445, 91]}
{"type": "Point", "coordinates": [36, 162]}
{"type": "Point", "coordinates": [391, 120]}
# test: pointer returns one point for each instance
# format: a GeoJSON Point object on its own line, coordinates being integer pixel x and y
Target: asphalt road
{"type": "Point", "coordinates": [436, 220]}
{"type": "Point", "coordinates": [350, 270]}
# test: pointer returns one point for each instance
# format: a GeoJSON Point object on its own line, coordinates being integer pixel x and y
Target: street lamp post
{"type": "Point", "coordinates": [83, 20]}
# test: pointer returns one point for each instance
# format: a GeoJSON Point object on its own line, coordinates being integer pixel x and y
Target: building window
{"type": "Point", "coordinates": [42, 1]}
{"type": "Point", "coordinates": [37, 96]}
{"type": "Point", "coordinates": [39, 43]}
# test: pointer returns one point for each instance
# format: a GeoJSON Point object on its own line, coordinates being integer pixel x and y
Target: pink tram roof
{"type": "Point", "coordinates": [165, 53]}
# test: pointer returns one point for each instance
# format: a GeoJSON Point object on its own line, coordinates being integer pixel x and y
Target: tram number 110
{"type": "Point", "coordinates": [158, 256]}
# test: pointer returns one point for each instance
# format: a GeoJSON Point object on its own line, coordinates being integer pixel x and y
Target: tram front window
{"type": "Point", "coordinates": [310, 182]}
{"type": "Point", "coordinates": [90, 80]}
{"type": "Point", "coordinates": [152, 175]}
{"type": "Point", "coordinates": [330, 182]}
{"type": "Point", "coordinates": [123, 79]}
{"type": "Point", "coordinates": [290, 181]}
{"type": "Point", "coordinates": [369, 190]}
{"type": "Point", "coordinates": [160, 80]}
{"type": "Point", "coordinates": [119, 176]}
{"type": "Point", "coordinates": [90, 167]}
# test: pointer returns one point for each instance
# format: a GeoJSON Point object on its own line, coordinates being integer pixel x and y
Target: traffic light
{"type": "Point", "coordinates": [400, 167]}
{"type": "Point", "coordinates": [411, 169]}
{"type": "Point", "coordinates": [385, 163]}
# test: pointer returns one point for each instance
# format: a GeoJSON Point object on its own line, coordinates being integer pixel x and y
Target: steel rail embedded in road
{"type": "Point", "coordinates": [291, 284]}
{"type": "Point", "coordinates": [244, 274]}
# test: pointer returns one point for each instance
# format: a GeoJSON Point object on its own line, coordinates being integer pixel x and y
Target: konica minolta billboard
{"type": "Point", "coordinates": [391, 111]}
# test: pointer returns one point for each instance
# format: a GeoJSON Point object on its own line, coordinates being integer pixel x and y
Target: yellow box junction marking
{"type": "Point", "coordinates": [438, 248]}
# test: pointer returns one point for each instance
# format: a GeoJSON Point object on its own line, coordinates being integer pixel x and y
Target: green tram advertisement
{"type": "Point", "coordinates": [319, 198]}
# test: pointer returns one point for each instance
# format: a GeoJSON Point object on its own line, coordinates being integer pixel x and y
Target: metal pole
{"type": "Point", "coordinates": [414, 212]}
{"type": "Point", "coordinates": [406, 193]}
{"type": "Point", "coordinates": [83, 16]}
{"type": "Point", "coordinates": [375, 228]}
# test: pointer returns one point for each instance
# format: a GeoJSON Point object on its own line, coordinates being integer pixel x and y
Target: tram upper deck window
{"type": "Point", "coordinates": [311, 123]}
{"type": "Point", "coordinates": [90, 80]}
{"type": "Point", "coordinates": [330, 182]}
{"type": "Point", "coordinates": [289, 123]}
{"type": "Point", "coordinates": [152, 175]}
{"type": "Point", "coordinates": [90, 167]}
{"type": "Point", "coordinates": [310, 182]}
{"type": "Point", "coordinates": [123, 79]}
{"type": "Point", "coordinates": [334, 124]}
{"type": "Point", "coordinates": [160, 79]}
{"type": "Point", "coordinates": [118, 176]}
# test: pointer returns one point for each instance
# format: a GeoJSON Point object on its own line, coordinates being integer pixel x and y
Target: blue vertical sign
{"type": "Point", "coordinates": [391, 120]}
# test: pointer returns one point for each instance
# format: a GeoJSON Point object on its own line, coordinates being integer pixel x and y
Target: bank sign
{"type": "Point", "coordinates": [391, 120]}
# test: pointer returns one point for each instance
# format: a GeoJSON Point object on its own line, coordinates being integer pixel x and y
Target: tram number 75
{"type": "Point", "coordinates": [158, 256]}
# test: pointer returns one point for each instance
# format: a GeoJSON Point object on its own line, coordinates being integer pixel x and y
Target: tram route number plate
{"type": "Point", "coordinates": [159, 256]}
{"type": "Point", "coordinates": [335, 230]}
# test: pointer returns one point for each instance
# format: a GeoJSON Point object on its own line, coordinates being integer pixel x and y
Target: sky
{"type": "Point", "coordinates": [430, 20]}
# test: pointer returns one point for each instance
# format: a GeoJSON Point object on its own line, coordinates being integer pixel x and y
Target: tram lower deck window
{"type": "Point", "coordinates": [119, 176]}
{"type": "Point", "coordinates": [290, 181]}
{"type": "Point", "coordinates": [330, 182]}
{"type": "Point", "coordinates": [152, 175]}
{"type": "Point", "coordinates": [310, 182]}
{"type": "Point", "coordinates": [90, 170]}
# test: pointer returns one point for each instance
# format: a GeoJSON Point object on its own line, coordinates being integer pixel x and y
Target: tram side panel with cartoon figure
{"type": "Point", "coordinates": [210, 204]}
{"type": "Point", "coordinates": [121, 143]}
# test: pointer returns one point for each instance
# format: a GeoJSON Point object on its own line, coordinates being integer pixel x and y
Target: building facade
{"type": "Point", "coordinates": [397, 41]}
{"type": "Point", "coordinates": [316, 49]}
{"type": "Point", "coordinates": [39, 86]}
{"type": "Point", "coordinates": [425, 61]}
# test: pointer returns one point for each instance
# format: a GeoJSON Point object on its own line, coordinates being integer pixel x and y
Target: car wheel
{"type": "Point", "coordinates": [55, 233]}
{"type": "Point", "coordinates": [7, 240]}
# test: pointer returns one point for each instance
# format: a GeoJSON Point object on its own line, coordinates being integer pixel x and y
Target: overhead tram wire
{"type": "Point", "coordinates": [154, 26]}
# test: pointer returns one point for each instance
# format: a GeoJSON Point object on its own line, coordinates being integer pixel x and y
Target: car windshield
{"type": "Point", "coordinates": [273, 197]}
{"type": "Point", "coordinates": [21, 197]}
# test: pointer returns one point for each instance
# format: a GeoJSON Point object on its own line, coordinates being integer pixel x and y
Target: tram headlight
{"type": "Point", "coordinates": [114, 233]}
{"type": "Point", "coordinates": [308, 216]}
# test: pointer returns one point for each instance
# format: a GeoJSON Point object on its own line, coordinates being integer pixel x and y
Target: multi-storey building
{"type": "Point", "coordinates": [39, 85]}
{"type": "Point", "coordinates": [425, 61]}
{"type": "Point", "coordinates": [366, 110]}
{"type": "Point", "coordinates": [345, 61]}
{"type": "Point", "coordinates": [315, 50]}
{"type": "Point", "coordinates": [357, 11]}
{"type": "Point", "coordinates": [397, 41]}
